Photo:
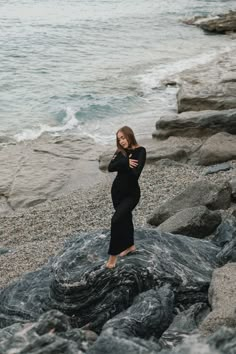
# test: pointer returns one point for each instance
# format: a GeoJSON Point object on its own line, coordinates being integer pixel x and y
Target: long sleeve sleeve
{"type": "Point", "coordinates": [119, 163]}
{"type": "Point", "coordinates": [136, 171]}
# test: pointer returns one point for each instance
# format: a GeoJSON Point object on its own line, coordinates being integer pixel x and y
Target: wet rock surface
{"type": "Point", "coordinates": [52, 333]}
{"type": "Point", "coordinates": [154, 300]}
{"type": "Point", "coordinates": [139, 298]}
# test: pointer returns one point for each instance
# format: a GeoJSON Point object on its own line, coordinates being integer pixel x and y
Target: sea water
{"type": "Point", "coordinates": [88, 67]}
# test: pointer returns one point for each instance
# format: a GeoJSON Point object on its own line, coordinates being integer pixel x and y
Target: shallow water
{"type": "Point", "coordinates": [89, 67]}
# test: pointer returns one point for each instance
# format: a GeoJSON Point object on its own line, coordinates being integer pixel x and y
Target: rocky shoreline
{"type": "Point", "coordinates": [178, 290]}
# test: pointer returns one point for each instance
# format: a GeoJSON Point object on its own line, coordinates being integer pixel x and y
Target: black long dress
{"type": "Point", "coordinates": [125, 194]}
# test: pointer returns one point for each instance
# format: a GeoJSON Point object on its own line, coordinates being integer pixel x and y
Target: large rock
{"type": "Point", "coordinates": [225, 237]}
{"type": "Point", "coordinates": [210, 86]}
{"type": "Point", "coordinates": [221, 342]}
{"type": "Point", "coordinates": [52, 333]}
{"type": "Point", "coordinates": [199, 193]}
{"type": "Point", "coordinates": [32, 172]}
{"type": "Point", "coordinates": [219, 24]}
{"type": "Point", "coordinates": [193, 124]}
{"type": "Point", "coordinates": [155, 307]}
{"type": "Point", "coordinates": [222, 297]}
{"type": "Point", "coordinates": [184, 324]}
{"type": "Point", "coordinates": [218, 148]}
{"type": "Point", "coordinates": [195, 222]}
{"type": "Point", "coordinates": [77, 283]}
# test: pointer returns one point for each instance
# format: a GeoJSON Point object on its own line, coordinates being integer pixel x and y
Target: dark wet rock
{"type": "Point", "coordinates": [185, 323]}
{"type": "Point", "coordinates": [155, 307]}
{"type": "Point", "coordinates": [217, 168]}
{"type": "Point", "coordinates": [198, 193]}
{"type": "Point", "coordinates": [221, 24]}
{"type": "Point", "coordinates": [52, 333]}
{"type": "Point", "coordinates": [223, 340]}
{"type": "Point", "coordinates": [77, 283]}
{"type": "Point", "coordinates": [233, 186]}
{"type": "Point", "coordinates": [108, 343]}
{"type": "Point", "coordinates": [225, 232]}
{"type": "Point", "coordinates": [193, 124]}
{"type": "Point", "coordinates": [220, 147]}
{"type": "Point", "coordinates": [52, 320]}
{"type": "Point", "coordinates": [225, 237]}
{"type": "Point", "coordinates": [195, 222]}
{"type": "Point", "coordinates": [210, 86]}
{"type": "Point", "coordinates": [4, 251]}
{"type": "Point", "coordinates": [228, 253]}
{"type": "Point", "coordinates": [222, 298]}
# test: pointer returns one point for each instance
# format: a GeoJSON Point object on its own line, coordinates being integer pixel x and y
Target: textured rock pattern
{"type": "Point", "coordinates": [78, 284]}
{"type": "Point", "coordinates": [52, 333]}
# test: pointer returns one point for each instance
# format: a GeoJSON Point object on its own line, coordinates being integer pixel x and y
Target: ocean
{"type": "Point", "coordinates": [87, 67]}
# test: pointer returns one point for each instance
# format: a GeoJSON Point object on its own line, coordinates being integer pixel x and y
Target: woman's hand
{"type": "Point", "coordinates": [133, 163]}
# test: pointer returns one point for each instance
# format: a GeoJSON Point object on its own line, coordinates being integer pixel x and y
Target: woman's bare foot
{"type": "Point", "coordinates": [111, 263]}
{"type": "Point", "coordinates": [128, 250]}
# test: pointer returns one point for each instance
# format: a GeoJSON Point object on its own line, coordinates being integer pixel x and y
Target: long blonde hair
{"type": "Point", "coordinates": [129, 135]}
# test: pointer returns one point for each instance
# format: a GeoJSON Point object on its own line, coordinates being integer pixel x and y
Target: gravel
{"type": "Point", "coordinates": [33, 235]}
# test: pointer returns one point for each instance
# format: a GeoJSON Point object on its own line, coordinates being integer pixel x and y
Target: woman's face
{"type": "Point", "coordinates": [122, 140]}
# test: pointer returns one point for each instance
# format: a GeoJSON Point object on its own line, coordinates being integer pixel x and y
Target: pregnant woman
{"type": "Point", "coordinates": [128, 161]}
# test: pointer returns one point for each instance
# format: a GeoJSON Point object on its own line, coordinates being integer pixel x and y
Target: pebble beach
{"type": "Point", "coordinates": [31, 236]}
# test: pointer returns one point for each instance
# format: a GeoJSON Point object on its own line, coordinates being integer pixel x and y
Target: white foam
{"type": "Point", "coordinates": [153, 78]}
{"type": "Point", "coordinates": [70, 122]}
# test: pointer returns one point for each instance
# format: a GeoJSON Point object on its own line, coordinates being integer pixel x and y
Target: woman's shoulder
{"type": "Point", "coordinates": [140, 148]}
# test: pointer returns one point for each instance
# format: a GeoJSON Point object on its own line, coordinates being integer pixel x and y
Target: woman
{"type": "Point", "coordinates": [128, 161]}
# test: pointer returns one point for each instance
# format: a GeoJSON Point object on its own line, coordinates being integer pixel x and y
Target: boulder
{"type": "Point", "coordinates": [222, 341]}
{"type": "Point", "coordinates": [210, 86]}
{"type": "Point", "coordinates": [35, 171]}
{"type": "Point", "coordinates": [52, 333]}
{"type": "Point", "coordinates": [155, 307]}
{"type": "Point", "coordinates": [184, 324]}
{"type": "Point", "coordinates": [195, 222]}
{"type": "Point", "coordinates": [213, 196]}
{"type": "Point", "coordinates": [222, 298]}
{"type": "Point", "coordinates": [225, 232]}
{"type": "Point", "coordinates": [233, 186]}
{"type": "Point", "coordinates": [218, 148]}
{"type": "Point", "coordinates": [196, 124]}
{"type": "Point", "coordinates": [77, 283]}
{"type": "Point", "coordinates": [222, 24]}
{"type": "Point", "coordinates": [225, 237]}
